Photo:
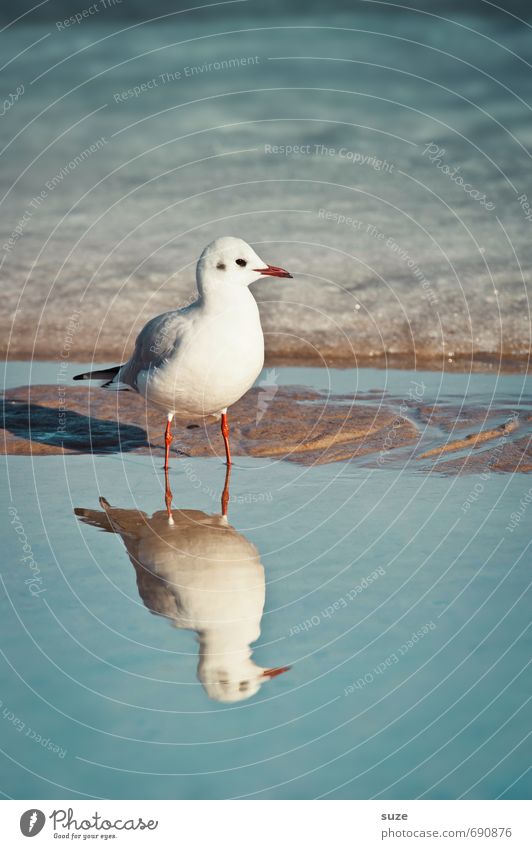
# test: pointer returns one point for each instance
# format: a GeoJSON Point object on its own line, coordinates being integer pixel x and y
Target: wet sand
{"type": "Point", "coordinates": [293, 423]}
{"type": "Point", "coordinates": [341, 344]}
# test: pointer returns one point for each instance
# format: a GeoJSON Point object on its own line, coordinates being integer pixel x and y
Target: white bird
{"type": "Point", "coordinates": [202, 575]}
{"type": "Point", "coordinates": [198, 361]}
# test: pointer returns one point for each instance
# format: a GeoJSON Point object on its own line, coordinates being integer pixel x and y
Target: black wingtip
{"type": "Point", "coordinates": [100, 374]}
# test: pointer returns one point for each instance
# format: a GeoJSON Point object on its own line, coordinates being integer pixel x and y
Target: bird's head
{"type": "Point", "coordinates": [232, 262]}
{"type": "Point", "coordinates": [236, 682]}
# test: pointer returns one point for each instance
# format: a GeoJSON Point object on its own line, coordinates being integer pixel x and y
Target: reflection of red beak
{"type": "Point", "coordinates": [271, 673]}
{"type": "Point", "coordinates": [272, 271]}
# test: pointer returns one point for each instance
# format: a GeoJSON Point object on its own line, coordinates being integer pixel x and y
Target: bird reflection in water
{"type": "Point", "coordinates": [197, 571]}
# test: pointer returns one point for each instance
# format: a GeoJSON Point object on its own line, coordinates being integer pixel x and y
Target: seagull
{"type": "Point", "coordinates": [202, 575]}
{"type": "Point", "coordinates": [196, 362]}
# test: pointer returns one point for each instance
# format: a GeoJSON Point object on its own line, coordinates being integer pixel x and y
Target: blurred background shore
{"type": "Point", "coordinates": [378, 152]}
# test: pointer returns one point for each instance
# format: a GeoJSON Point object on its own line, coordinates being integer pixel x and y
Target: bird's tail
{"type": "Point", "coordinates": [113, 519]}
{"type": "Point", "coordinates": [105, 374]}
{"type": "Point", "coordinates": [96, 518]}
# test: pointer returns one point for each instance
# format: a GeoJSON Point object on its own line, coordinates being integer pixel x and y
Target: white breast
{"type": "Point", "coordinates": [217, 360]}
{"type": "Point", "coordinates": [214, 573]}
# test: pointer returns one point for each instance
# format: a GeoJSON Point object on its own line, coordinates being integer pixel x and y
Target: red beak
{"type": "Point", "coordinates": [271, 673]}
{"type": "Point", "coordinates": [272, 271]}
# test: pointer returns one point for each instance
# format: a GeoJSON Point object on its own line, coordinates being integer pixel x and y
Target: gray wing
{"type": "Point", "coordinates": [157, 340]}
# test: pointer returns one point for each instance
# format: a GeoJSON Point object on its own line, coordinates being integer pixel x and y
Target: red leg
{"type": "Point", "coordinates": [225, 434]}
{"type": "Point", "coordinates": [168, 497]}
{"type": "Point", "coordinates": [225, 493]}
{"type": "Point", "coordinates": [168, 441]}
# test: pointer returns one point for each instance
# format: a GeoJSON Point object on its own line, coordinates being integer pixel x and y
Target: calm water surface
{"type": "Point", "coordinates": [403, 618]}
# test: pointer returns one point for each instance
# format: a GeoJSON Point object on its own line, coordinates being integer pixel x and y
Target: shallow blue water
{"type": "Point", "coordinates": [403, 617]}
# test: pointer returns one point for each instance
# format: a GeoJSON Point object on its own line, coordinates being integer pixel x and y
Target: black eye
{"type": "Point", "coordinates": [221, 266]}
{"type": "Point", "coordinates": [241, 262]}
